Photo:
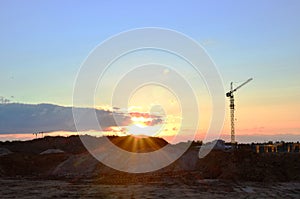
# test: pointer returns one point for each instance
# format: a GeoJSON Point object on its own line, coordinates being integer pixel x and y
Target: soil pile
{"type": "Point", "coordinates": [24, 159]}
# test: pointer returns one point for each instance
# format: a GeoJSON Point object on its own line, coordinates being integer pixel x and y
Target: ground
{"type": "Point", "coordinates": [74, 173]}
{"type": "Point", "coordinates": [26, 188]}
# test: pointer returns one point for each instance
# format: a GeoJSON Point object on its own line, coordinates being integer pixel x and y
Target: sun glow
{"type": "Point", "coordinates": [141, 121]}
{"type": "Point", "coordinates": [142, 124]}
{"type": "Point", "coordinates": [153, 112]}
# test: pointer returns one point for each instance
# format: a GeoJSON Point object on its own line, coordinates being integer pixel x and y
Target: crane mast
{"type": "Point", "coordinates": [232, 108]}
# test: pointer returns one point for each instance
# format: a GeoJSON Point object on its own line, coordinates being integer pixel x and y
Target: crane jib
{"type": "Point", "coordinates": [230, 95]}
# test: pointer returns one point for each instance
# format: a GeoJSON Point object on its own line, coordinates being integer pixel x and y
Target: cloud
{"type": "Point", "coordinates": [146, 118]}
{"type": "Point", "coordinates": [18, 118]}
{"type": "Point", "coordinates": [27, 118]}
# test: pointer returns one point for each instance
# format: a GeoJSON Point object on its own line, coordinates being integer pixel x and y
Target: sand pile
{"type": "Point", "coordinates": [4, 151]}
{"type": "Point", "coordinates": [51, 151]}
{"type": "Point", "coordinates": [239, 165]}
{"type": "Point", "coordinates": [82, 165]}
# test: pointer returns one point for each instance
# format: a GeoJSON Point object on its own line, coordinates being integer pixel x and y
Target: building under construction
{"type": "Point", "coordinates": [278, 147]}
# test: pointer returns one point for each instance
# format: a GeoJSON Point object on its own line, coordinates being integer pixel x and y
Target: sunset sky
{"type": "Point", "coordinates": [44, 43]}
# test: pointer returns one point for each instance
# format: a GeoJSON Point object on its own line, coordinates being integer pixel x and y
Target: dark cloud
{"type": "Point", "coordinates": [27, 118]}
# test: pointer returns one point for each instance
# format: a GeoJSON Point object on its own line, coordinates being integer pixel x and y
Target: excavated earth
{"type": "Point", "coordinates": [66, 169]}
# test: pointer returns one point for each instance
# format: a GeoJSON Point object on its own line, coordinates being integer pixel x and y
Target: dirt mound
{"type": "Point", "coordinates": [73, 144]}
{"type": "Point", "coordinates": [70, 144]}
{"type": "Point", "coordinates": [22, 164]}
{"type": "Point", "coordinates": [4, 151]}
{"type": "Point", "coordinates": [138, 144]}
{"type": "Point", "coordinates": [240, 165]}
{"type": "Point", "coordinates": [243, 165]}
{"type": "Point", "coordinates": [82, 165]}
{"type": "Point", "coordinates": [52, 151]}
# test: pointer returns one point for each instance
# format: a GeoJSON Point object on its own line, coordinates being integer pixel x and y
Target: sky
{"type": "Point", "coordinates": [44, 43]}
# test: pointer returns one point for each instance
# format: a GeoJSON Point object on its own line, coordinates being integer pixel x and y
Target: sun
{"type": "Point", "coordinates": [142, 124]}
{"type": "Point", "coordinates": [141, 121]}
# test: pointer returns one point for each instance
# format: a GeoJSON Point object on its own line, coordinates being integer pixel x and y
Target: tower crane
{"type": "Point", "coordinates": [231, 98]}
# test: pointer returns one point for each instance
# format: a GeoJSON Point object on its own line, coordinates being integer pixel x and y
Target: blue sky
{"type": "Point", "coordinates": [43, 44]}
